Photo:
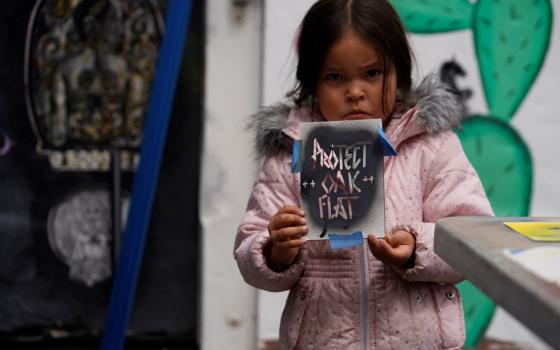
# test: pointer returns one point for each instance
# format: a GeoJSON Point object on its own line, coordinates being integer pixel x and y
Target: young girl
{"type": "Point", "coordinates": [355, 63]}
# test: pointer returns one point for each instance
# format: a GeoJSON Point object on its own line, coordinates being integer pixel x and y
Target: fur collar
{"type": "Point", "coordinates": [437, 106]}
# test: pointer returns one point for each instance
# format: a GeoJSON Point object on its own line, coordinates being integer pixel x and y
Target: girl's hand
{"type": "Point", "coordinates": [395, 249]}
{"type": "Point", "coordinates": [286, 229]}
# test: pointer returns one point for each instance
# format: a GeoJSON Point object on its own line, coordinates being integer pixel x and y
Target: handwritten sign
{"type": "Point", "coordinates": [342, 177]}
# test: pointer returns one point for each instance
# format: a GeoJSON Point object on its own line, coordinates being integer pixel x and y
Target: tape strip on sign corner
{"type": "Point", "coordinates": [339, 241]}
{"type": "Point", "coordinates": [297, 156]}
{"type": "Point", "coordinates": [388, 149]}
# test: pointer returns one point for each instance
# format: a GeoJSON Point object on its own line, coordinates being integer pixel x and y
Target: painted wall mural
{"type": "Point", "coordinates": [89, 66]}
{"type": "Point", "coordinates": [511, 40]}
{"type": "Point", "coordinates": [75, 77]}
{"type": "Point", "coordinates": [88, 69]}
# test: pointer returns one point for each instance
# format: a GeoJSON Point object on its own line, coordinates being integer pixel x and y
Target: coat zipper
{"type": "Point", "coordinates": [364, 300]}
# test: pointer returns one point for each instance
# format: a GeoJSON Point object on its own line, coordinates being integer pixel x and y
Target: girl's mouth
{"type": "Point", "coordinates": [357, 115]}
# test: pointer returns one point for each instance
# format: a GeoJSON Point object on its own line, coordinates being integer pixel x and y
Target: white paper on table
{"type": "Point", "coordinates": [542, 261]}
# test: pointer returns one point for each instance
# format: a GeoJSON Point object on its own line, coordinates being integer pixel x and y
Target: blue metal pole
{"type": "Point", "coordinates": [146, 178]}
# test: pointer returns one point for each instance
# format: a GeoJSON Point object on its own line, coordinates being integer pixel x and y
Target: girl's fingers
{"type": "Point", "coordinates": [386, 253]}
{"type": "Point", "coordinates": [293, 243]}
{"type": "Point", "coordinates": [384, 248]}
{"type": "Point", "coordinates": [289, 233]}
{"type": "Point", "coordinates": [280, 221]}
{"type": "Point", "coordinates": [388, 239]}
{"type": "Point", "coordinates": [376, 247]}
{"type": "Point", "coordinates": [399, 255]}
{"type": "Point", "coordinates": [291, 209]}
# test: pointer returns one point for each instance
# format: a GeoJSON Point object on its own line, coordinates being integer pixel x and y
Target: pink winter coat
{"type": "Point", "coordinates": [332, 303]}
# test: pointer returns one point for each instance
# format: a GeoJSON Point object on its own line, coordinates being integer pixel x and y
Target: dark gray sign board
{"type": "Point", "coordinates": [342, 177]}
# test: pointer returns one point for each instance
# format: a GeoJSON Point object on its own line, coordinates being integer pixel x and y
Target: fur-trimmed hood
{"type": "Point", "coordinates": [433, 105]}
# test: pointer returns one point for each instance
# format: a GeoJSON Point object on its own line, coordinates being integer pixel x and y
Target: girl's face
{"type": "Point", "coordinates": [350, 84]}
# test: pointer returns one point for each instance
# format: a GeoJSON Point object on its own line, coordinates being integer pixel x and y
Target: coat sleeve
{"type": "Point", "coordinates": [274, 187]}
{"type": "Point", "coordinates": [453, 188]}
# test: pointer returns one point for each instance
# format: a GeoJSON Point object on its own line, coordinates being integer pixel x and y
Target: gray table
{"type": "Point", "coordinates": [474, 246]}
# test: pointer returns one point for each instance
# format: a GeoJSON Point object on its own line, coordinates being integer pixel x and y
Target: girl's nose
{"type": "Point", "coordinates": [355, 94]}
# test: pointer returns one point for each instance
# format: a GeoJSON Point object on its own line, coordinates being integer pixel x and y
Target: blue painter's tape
{"type": "Point", "coordinates": [345, 241]}
{"type": "Point", "coordinates": [296, 156]}
{"type": "Point", "coordinates": [388, 149]}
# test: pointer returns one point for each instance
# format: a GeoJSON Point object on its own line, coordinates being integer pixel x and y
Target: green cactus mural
{"type": "Point", "coordinates": [478, 310]}
{"type": "Point", "coordinates": [434, 16]}
{"type": "Point", "coordinates": [511, 39]}
{"type": "Point", "coordinates": [503, 160]}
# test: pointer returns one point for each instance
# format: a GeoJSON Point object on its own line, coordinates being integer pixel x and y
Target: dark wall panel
{"type": "Point", "coordinates": [37, 293]}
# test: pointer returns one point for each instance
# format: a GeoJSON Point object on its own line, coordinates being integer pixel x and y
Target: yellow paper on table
{"type": "Point", "coordinates": [537, 231]}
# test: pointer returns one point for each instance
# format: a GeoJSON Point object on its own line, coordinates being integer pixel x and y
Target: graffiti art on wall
{"type": "Point", "coordinates": [79, 231]}
{"type": "Point", "coordinates": [88, 70]}
{"type": "Point", "coordinates": [56, 245]}
{"type": "Point", "coordinates": [89, 65]}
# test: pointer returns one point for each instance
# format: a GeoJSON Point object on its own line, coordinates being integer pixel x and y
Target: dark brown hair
{"type": "Point", "coordinates": [375, 21]}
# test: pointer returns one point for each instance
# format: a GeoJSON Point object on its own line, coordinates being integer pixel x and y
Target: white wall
{"type": "Point", "coordinates": [232, 91]}
{"type": "Point", "coordinates": [537, 120]}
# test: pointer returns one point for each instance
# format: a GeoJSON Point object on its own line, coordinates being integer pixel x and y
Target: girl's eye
{"type": "Point", "coordinates": [333, 77]}
{"type": "Point", "coordinates": [373, 73]}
